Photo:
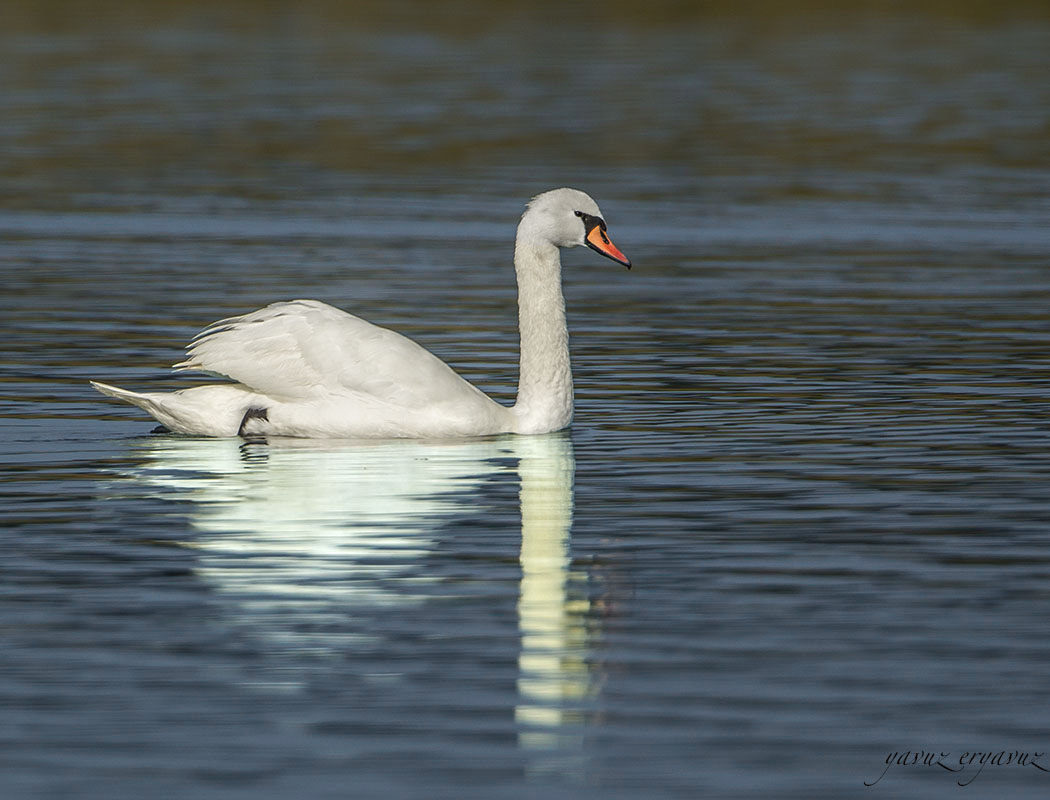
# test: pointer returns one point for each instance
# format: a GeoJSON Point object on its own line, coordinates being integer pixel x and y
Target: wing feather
{"type": "Point", "coordinates": [305, 349]}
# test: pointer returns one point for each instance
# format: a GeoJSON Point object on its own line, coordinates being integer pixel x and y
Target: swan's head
{"type": "Point", "coordinates": [570, 218]}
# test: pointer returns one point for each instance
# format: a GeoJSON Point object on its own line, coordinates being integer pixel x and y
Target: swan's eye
{"type": "Point", "coordinates": [589, 221]}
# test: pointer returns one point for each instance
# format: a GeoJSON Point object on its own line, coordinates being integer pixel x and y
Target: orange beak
{"type": "Point", "coordinates": [598, 241]}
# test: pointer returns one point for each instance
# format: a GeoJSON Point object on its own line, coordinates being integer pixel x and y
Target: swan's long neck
{"type": "Point", "coordinates": [545, 381]}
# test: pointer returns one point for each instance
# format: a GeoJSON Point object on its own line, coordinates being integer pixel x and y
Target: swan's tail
{"type": "Point", "coordinates": [158, 405]}
{"type": "Point", "coordinates": [211, 410]}
{"type": "Point", "coordinates": [135, 398]}
{"type": "Point", "coordinates": [148, 403]}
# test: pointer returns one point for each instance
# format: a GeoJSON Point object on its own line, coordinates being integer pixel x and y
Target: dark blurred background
{"type": "Point", "coordinates": [228, 100]}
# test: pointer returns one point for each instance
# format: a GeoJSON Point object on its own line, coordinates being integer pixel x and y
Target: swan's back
{"type": "Point", "coordinates": [308, 350]}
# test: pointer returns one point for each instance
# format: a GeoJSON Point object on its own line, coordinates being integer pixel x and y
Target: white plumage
{"type": "Point", "coordinates": [304, 368]}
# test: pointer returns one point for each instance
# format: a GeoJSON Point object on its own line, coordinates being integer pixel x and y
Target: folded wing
{"type": "Point", "coordinates": [305, 349]}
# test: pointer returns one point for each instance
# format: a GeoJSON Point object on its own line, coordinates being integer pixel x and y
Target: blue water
{"type": "Point", "coordinates": [799, 525]}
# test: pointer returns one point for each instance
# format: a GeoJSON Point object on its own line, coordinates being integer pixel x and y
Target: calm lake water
{"type": "Point", "coordinates": [801, 522]}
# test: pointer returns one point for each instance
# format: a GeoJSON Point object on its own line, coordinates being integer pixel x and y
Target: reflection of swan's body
{"type": "Point", "coordinates": [304, 368]}
{"type": "Point", "coordinates": [304, 520]}
{"type": "Point", "coordinates": [299, 535]}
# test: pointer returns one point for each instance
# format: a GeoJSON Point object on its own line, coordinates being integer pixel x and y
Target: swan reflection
{"type": "Point", "coordinates": [306, 522]}
{"type": "Point", "coordinates": [298, 533]}
{"type": "Point", "coordinates": [553, 674]}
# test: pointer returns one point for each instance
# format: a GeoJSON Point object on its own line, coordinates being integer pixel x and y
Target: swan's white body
{"type": "Point", "coordinates": [304, 368]}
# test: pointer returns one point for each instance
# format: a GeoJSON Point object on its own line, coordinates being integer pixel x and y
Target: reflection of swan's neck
{"type": "Point", "coordinates": [545, 381]}
{"type": "Point", "coordinates": [553, 674]}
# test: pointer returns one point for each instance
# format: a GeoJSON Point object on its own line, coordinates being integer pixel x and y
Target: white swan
{"type": "Point", "coordinates": [303, 368]}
